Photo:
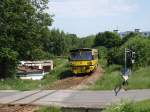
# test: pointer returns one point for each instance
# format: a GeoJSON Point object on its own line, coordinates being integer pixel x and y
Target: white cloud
{"type": "Point", "coordinates": [90, 8]}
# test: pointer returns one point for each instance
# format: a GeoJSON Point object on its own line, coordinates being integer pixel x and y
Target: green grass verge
{"type": "Point", "coordinates": [123, 106]}
{"type": "Point", "coordinates": [109, 79]}
{"type": "Point", "coordinates": [139, 79]}
{"type": "Point", "coordinates": [48, 109]}
{"type": "Point", "coordinates": [142, 106]}
{"type": "Point", "coordinates": [60, 65]}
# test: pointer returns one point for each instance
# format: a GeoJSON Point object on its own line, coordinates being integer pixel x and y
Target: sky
{"type": "Point", "coordinates": [87, 17]}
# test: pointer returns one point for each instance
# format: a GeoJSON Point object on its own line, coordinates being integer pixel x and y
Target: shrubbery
{"type": "Point", "coordinates": [122, 107]}
{"type": "Point", "coordinates": [141, 47]}
{"type": "Point", "coordinates": [8, 63]}
{"type": "Point", "coordinates": [107, 39]}
{"type": "Point", "coordinates": [112, 48]}
{"type": "Point", "coordinates": [103, 52]}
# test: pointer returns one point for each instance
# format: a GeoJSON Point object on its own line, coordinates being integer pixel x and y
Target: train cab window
{"type": "Point", "coordinates": [81, 55]}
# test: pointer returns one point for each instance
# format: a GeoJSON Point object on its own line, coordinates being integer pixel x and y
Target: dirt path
{"type": "Point", "coordinates": [90, 80]}
{"type": "Point", "coordinates": [77, 82]}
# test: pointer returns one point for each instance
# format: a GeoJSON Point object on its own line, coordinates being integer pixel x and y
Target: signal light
{"type": "Point", "coordinates": [133, 57]}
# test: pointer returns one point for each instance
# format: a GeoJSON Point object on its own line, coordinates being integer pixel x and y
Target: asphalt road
{"type": "Point", "coordinates": [72, 98]}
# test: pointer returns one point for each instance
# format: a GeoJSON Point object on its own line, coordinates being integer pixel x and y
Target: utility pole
{"type": "Point", "coordinates": [125, 60]}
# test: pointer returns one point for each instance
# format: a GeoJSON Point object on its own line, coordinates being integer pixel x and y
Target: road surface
{"type": "Point", "coordinates": [71, 98]}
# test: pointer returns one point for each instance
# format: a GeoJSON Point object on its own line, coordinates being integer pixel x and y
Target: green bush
{"type": "Point", "coordinates": [137, 44]}
{"type": "Point", "coordinates": [122, 107]}
{"type": "Point", "coordinates": [129, 36]}
{"type": "Point", "coordinates": [8, 63]}
{"type": "Point", "coordinates": [102, 52]}
{"type": "Point", "coordinates": [142, 48]}
{"type": "Point", "coordinates": [107, 39]}
{"type": "Point", "coordinates": [115, 56]}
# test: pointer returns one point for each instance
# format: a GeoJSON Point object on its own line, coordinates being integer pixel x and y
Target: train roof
{"type": "Point", "coordinates": [82, 49]}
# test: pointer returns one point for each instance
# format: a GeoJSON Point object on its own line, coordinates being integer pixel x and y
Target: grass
{"type": "Point", "coordinates": [61, 66]}
{"type": "Point", "coordinates": [48, 109]}
{"type": "Point", "coordinates": [121, 107]}
{"type": "Point", "coordinates": [143, 106]}
{"type": "Point", "coordinates": [139, 79]}
{"type": "Point", "coordinates": [17, 84]}
{"type": "Point", "coordinates": [124, 106]}
{"type": "Point", "coordinates": [109, 79]}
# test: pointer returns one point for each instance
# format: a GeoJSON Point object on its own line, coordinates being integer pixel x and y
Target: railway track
{"type": "Point", "coordinates": [74, 82]}
{"type": "Point", "coordinates": [13, 107]}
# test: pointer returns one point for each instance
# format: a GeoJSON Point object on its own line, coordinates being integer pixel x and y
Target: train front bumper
{"type": "Point", "coordinates": [82, 69]}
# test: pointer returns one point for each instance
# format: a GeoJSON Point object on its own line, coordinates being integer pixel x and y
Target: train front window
{"type": "Point", "coordinates": [81, 56]}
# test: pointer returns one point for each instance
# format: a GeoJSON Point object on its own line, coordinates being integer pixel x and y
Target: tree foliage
{"type": "Point", "coordinates": [8, 62]}
{"type": "Point", "coordinates": [87, 42]}
{"type": "Point", "coordinates": [22, 25]}
{"type": "Point", "coordinates": [128, 36]}
{"type": "Point", "coordinates": [107, 39]}
{"type": "Point", "coordinates": [141, 47]}
{"type": "Point", "coordinates": [25, 35]}
{"type": "Point", "coordinates": [137, 44]}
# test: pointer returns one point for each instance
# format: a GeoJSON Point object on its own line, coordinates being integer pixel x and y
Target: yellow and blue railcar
{"type": "Point", "coordinates": [83, 60]}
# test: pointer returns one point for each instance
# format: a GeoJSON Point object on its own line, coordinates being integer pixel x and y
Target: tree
{"type": "Point", "coordinates": [141, 47]}
{"type": "Point", "coordinates": [8, 63]}
{"type": "Point", "coordinates": [128, 36]}
{"type": "Point", "coordinates": [107, 39]}
{"type": "Point", "coordinates": [56, 42]}
{"type": "Point", "coordinates": [137, 44]}
{"type": "Point", "coordinates": [87, 42]}
{"type": "Point", "coordinates": [22, 25]}
{"type": "Point", "coordinates": [75, 41]}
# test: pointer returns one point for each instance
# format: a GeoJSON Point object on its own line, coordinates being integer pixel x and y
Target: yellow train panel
{"type": "Point", "coordinates": [83, 60]}
{"type": "Point", "coordinates": [78, 67]}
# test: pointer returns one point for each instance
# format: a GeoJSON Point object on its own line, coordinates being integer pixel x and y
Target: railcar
{"type": "Point", "coordinates": [83, 60]}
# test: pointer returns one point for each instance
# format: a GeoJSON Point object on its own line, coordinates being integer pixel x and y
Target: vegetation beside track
{"type": "Point", "coordinates": [49, 109]}
{"type": "Point", "coordinates": [124, 106]}
{"type": "Point", "coordinates": [17, 84]}
{"type": "Point", "coordinates": [139, 79]}
{"type": "Point", "coordinates": [108, 80]}
{"type": "Point", "coordinates": [142, 106]}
